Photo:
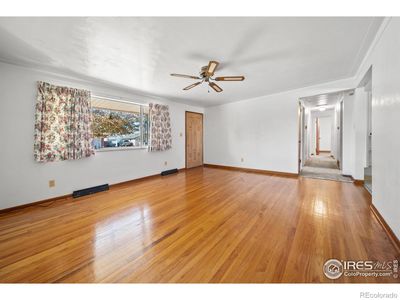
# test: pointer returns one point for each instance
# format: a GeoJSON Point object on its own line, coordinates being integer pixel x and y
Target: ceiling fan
{"type": "Point", "coordinates": [206, 74]}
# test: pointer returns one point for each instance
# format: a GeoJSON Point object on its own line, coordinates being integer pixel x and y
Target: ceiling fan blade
{"type": "Point", "coordinates": [229, 78]}
{"type": "Point", "coordinates": [212, 66]}
{"type": "Point", "coordinates": [185, 76]}
{"type": "Point", "coordinates": [191, 86]}
{"type": "Point", "coordinates": [215, 87]}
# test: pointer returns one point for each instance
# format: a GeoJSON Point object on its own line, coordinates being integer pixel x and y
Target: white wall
{"type": "Point", "coordinates": [306, 136]}
{"type": "Point", "coordinates": [313, 140]}
{"type": "Point", "coordinates": [305, 132]}
{"type": "Point", "coordinates": [360, 132]}
{"type": "Point", "coordinates": [336, 129]}
{"type": "Point", "coordinates": [263, 131]}
{"type": "Point", "coordinates": [348, 135]}
{"type": "Point", "coordinates": [385, 60]}
{"type": "Point", "coordinates": [22, 180]}
{"type": "Point", "coordinates": [355, 134]}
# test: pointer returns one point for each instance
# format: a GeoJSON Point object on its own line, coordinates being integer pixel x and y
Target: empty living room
{"type": "Point", "coordinates": [228, 155]}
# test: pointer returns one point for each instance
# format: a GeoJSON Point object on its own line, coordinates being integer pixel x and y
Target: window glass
{"type": "Point", "coordinates": [119, 124]}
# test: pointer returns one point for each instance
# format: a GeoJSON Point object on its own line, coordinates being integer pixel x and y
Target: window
{"type": "Point", "coordinates": [119, 124]}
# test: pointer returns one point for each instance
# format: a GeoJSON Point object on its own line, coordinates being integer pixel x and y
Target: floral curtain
{"type": "Point", "coordinates": [160, 127]}
{"type": "Point", "coordinates": [62, 123]}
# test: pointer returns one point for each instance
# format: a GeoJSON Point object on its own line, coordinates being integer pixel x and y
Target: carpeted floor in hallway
{"type": "Point", "coordinates": [323, 166]}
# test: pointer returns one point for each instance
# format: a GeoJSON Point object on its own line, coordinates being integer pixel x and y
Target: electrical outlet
{"type": "Point", "coordinates": [52, 183]}
{"type": "Point", "coordinates": [165, 163]}
{"type": "Point", "coordinates": [242, 159]}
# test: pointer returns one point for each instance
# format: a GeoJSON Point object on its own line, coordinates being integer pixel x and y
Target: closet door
{"type": "Point", "coordinates": [194, 139]}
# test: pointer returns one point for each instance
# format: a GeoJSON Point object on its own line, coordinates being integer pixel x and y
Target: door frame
{"type": "Point", "coordinates": [341, 136]}
{"type": "Point", "coordinates": [302, 152]}
{"type": "Point", "coordinates": [300, 137]}
{"type": "Point", "coordinates": [202, 137]}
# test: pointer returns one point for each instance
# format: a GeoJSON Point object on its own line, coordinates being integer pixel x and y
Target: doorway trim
{"type": "Point", "coordinates": [202, 138]}
{"type": "Point", "coordinates": [300, 149]}
{"type": "Point", "coordinates": [311, 125]}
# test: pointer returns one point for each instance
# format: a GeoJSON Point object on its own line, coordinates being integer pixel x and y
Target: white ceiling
{"type": "Point", "coordinates": [324, 100]}
{"type": "Point", "coordinates": [274, 54]}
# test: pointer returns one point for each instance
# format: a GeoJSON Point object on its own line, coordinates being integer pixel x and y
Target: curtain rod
{"type": "Point", "coordinates": [119, 100]}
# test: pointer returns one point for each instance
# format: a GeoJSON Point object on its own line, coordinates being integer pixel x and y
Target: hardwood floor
{"type": "Point", "coordinates": [201, 225]}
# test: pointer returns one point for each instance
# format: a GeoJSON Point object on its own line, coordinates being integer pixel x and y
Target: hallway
{"type": "Point", "coordinates": [323, 160]}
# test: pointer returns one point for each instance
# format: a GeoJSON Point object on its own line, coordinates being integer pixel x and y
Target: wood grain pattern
{"type": "Point", "coordinates": [194, 139]}
{"type": "Point", "coordinates": [201, 225]}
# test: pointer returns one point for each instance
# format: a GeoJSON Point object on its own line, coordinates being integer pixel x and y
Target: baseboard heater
{"type": "Point", "coordinates": [168, 172]}
{"type": "Point", "coordinates": [91, 190]}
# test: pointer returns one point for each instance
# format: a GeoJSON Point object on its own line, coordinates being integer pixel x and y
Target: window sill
{"type": "Point", "coordinates": [111, 149]}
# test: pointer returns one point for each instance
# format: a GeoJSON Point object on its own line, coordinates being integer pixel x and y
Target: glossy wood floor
{"type": "Point", "coordinates": [202, 225]}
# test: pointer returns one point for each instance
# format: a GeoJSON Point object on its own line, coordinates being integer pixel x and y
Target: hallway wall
{"type": "Point", "coordinates": [307, 135]}
{"type": "Point", "coordinates": [355, 134]}
{"type": "Point", "coordinates": [348, 136]}
{"type": "Point", "coordinates": [385, 61]}
{"type": "Point", "coordinates": [336, 131]}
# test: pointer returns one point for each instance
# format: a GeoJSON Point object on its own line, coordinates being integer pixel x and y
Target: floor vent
{"type": "Point", "coordinates": [91, 190]}
{"type": "Point", "coordinates": [167, 172]}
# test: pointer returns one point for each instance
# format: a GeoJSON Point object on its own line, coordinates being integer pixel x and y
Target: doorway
{"type": "Point", "coordinates": [324, 134]}
{"type": "Point", "coordinates": [194, 139]}
{"type": "Point", "coordinates": [321, 136]}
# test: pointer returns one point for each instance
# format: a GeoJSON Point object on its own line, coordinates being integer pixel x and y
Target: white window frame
{"type": "Point", "coordinates": [141, 147]}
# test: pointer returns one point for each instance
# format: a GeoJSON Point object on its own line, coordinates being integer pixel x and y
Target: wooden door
{"type": "Point", "coordinates": [194, 139]}
{"type": "Point", "coordinates": [317, 138]}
